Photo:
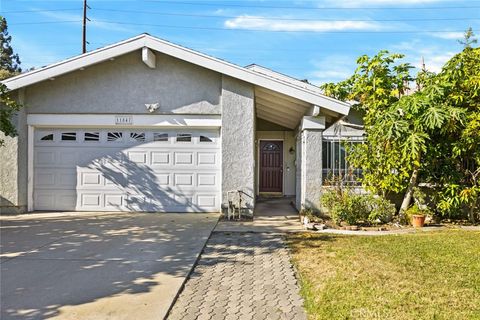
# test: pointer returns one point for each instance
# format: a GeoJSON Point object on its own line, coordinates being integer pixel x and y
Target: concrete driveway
{"type": "Point", "coordinates": [97, 265]}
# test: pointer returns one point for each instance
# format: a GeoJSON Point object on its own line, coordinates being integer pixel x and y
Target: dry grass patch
{"type": "Point", "coordinates": [426, 275]}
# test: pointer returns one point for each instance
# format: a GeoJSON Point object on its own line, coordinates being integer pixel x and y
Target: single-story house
{"type": "Point", "coordinates": [147, 125]}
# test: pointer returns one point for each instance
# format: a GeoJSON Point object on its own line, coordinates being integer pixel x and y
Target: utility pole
{"type": "Point", "coordinates": [84, 26]}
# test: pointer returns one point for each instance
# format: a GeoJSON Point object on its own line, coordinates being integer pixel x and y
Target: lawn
{"type": "Point", "coordinates": [426, 275]}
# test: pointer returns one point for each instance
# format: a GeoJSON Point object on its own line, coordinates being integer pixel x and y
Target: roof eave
{"type": "Point", "coordinates": [165, 47]}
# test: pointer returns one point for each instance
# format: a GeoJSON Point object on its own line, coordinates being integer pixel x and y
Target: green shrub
{"type": "Point", "coordinates": [344, 205]}
{"type": "Point", "coordinates": [382, 210]}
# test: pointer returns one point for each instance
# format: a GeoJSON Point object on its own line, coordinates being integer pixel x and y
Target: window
{"type": "Point", "coordinates": [114, 136]}
{"type": "Point", "coordinates": [47, 137]}
{"type": "Point", "coordinates": [334, 160]}
{"type": "Point", "coordinates": [69, 136]}
{"type": "Point", "coordinates": [271, 147]}
{"type": "Point", "coordinates": [157, 136]}
{"type": "Point", "coordinates": [136, 136]}
{"type": "Point", "coordinates": [92, 136]}
{"type": "Point", "coordinates": [205, 139]}
{"type": "Point", "coordinates": [184, 137]}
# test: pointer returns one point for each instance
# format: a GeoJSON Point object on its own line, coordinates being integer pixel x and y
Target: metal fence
{"type": "Point", "coordinates": [335, 166]}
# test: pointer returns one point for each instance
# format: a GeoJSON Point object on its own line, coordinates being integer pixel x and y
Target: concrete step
{"type": "Point", "coordinates": [276, 218]}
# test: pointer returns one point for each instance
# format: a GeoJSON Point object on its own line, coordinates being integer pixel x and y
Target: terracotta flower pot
{"type": "Point", "coordinates": [418, 220]}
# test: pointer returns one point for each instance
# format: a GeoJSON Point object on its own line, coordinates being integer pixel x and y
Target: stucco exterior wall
{"type": "Point", "coordinates": [313, 168]}
{"type": "Point", "coordinates": [126, 84]}
{"type": "Point", "coordinates": [298, 171]}
{"type": "Point", "coordinates": [288, 159]}
{"type": "Point", "coordinates": [13, 169]}
{"type": "Point", "coordinates": [238, 139]}
{"type": "Point", "coordinates": [309, 169]}
{"type": "Point", "coordinates": [8, 174]}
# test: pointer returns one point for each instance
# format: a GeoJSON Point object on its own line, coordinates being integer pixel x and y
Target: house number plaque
{"type": "Point", "coordinates": [123, 120]}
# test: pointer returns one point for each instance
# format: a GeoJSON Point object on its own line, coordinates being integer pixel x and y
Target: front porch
{"type": "Point", "coordinates": [271, 215]}
{"type": "Point", "coordinates": [275, 207]}
{"type": "Point", "coordinates": [288, 159]}
{"type": "Point", "coordinates": [276, 149]}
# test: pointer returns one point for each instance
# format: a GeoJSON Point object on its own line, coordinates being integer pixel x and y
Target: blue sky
{"type": "Point", "coordinates": [315, 40]}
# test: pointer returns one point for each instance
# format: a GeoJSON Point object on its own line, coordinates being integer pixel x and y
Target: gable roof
{"type": "Point", "coordinates": [283, 77]}
{"type": "Point", "coordinates": [262, 79]}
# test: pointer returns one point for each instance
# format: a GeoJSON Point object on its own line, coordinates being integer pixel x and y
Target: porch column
{"type": "Point", "coordinates": [309, 141]}
{"type": "Point", "coordinates": [238, 140]}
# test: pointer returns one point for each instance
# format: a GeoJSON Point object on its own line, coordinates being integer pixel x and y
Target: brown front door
{"type": "Point", "coordinates": [271, 166]}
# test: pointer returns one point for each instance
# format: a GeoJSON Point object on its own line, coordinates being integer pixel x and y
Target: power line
{"type": "Point", "coordinates": [310, 7]}
{"type": "Point", "coordinates": [243, 30]}
{"type": "Point", "coordinates": [41, 10]}
{"type": "Point", "coordinates": [274, 18]}
{"type": "Point", "coordinates": [43, 22]}
{"type": "Point", "coordinates": [264, 30]}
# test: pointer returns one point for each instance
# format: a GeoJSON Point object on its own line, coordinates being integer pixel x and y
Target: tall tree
{"type": "Point", "coordinates": [456, 163]}
{"type": "Point", "coordinates": [378, 82]}
{"type": "Point", "coordinates": [9, 66]}
{"type": "Point", "coordinates": [430, 135]}
{"type": "Point", "coordinates": [9, 61]}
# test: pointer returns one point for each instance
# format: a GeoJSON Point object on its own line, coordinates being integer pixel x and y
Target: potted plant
{"type": "Point", "coordinates": [417, 215]}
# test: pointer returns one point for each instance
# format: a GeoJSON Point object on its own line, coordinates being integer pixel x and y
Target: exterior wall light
{"type": "Point", "coordinates": [151, 107]}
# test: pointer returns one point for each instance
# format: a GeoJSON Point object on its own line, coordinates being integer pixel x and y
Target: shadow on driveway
{"type": "Point", "coordinates": [118, 266]}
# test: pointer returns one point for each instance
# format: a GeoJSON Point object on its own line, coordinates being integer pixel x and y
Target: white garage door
{"type": "Point", "coordinates": [127, 170]}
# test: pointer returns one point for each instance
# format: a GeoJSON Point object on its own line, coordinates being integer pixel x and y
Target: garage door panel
{"type": "Point", "coordinates": [54, 178]}
{"type": "Point", "coordinates": [163, 179]}
{"type": "Point", "coordinates": [114, 201]}
{"type": "Point", "coordinates": [183, 179]}
{"type": "Point", "coordinates": [207, 180]}
{"type": "Point", "coordinates": [126, 174]}
{"type": "Point", "coordinates": [137, 156]}
{"type": "Point", "coordinates": [56, 199]}
{"type": "Point", "coordinates": [183, 200]}
{"type": "Point", "coordinates": [138, 203]}
{"type": "Point", "coordinates": [89, 200]}
{"type": "Point", "coordinates": [91, 179]}
{"type": "Point", "coordinates": [159, 159]}
{"type": "Point", "coordinates": [206, 200]}
{"type": "Point", "coordinates": [184, 158]}
{"type": "Point", "coordinates": [66, 178]}
{"type": "Point", "coordinates": [44, 200]}
{"type": "Point", "coordinates": [68, 159]}
{"type": "Point", "coordinates": [44, 157]}
{"type": "Point", "coordinates": [207, 159]}
{"type": "Point", "coordinates": [45, 178]}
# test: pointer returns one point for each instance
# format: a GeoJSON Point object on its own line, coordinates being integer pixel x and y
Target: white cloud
{"type": "Point", "coordinates": [434, 61]}
{"type": "Point", "coordinates": [415, 50]}
{"type": "Point", "coordinates": [404, 46]}
{"type": "Point", "coordinates": [62, 16]}
{"type": "Point", "coordinates": [362, 3]}
{"type": "Point", "coordinates": [264, 23]}
{"type": "Point", "coordinates": [335, 68]}
{"type": "Point", "coordinates": [448, 35]}
{"type": "Point", "coordinates": [332, 68]}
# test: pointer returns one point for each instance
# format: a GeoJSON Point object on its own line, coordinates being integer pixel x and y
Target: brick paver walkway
{"type": "Point", "coordinates": [241, 276]}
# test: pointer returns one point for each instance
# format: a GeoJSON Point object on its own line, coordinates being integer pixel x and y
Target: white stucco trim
{"type": "Point", "coordinates": [312, 123]}
{"type": "Point", "coordinates": [149, 58]}
{"type": "Point", "coordinates": [30, 175]}
{"type": "Point", "coordinates": [289, 88]}
{"type": "Point", "coordinates": [108, 120]}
